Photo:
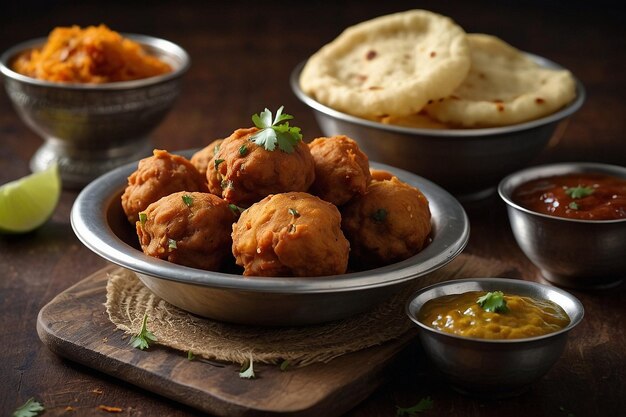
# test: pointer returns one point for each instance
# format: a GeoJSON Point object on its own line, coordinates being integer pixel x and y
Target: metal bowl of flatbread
{"type": "Point", "coordinates": [495, 110]}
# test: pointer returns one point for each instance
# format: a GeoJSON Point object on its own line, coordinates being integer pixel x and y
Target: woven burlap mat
{"type": "Point", "coordinates": [128, 299]}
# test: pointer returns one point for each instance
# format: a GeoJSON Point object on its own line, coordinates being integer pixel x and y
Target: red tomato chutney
{"type": "Point", "coordinates": [583, 196]}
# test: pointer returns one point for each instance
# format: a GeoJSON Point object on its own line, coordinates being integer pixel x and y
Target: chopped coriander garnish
{"type": "Point", "coordinates": [379, 215]}
{"type": "Point", "coordinates": [294, 212]}
{"type": "Point", "coordinates": [284, 365]}
{"type": "Point", "coordinates": [171, 244]}
{"type": "Point", "coordinates": [217, 162]}
{"type": "Point", "coordinates": [493, 302]}
{"type": "Point", "coordinates": [579, 191]}
{"type": "Point", "coordinates": [143, 339]}
{"type": "Point", "coordinates": [243, 150]}
{"type": "Point", "coordinates": [573, 205]}
{"type": "Point", "coordinates": [273, 132]}
{"type": "Point", "coordinates": [188, 200]}
{"type": "Point", "coordinates": [143, 218]}
{"type": "Point", "coordinates": [247, 370]}
{"type": "Point", "coordinates": [30, 408]}
{"type": "Point", "coordinates": [423, 405]}
{"type": "Point", "coordinates": [190, 355]}
{"type": "Point", "coordinates": [235, 209]}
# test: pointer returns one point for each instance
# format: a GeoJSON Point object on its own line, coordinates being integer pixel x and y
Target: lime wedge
{"type": "Point", "coordinates": [28, 202]}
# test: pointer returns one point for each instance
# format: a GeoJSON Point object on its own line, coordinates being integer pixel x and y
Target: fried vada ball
{"type": "Point", "coordinates": [290, 234]}
{"type": "Point", "coordinates": [380, 175]}
{"type": "Point", "coordinates": [157, 176]}
{"type": "Point", "coordinates": [341, 169]}
{"type": "Point", "coordinates": [191, 229]}
{"type": "Point", "coordinates": [243, 172]}
{"type": "Point", "coordinates": [202, 158]}
{"type": "Point", "coordinates": [389, 223]}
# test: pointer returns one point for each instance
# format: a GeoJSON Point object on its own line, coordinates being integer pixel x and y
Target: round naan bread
{"type": "Point", "coordinates": [389, 66]}
{"type": "Point", "coordinates": [504, 86]}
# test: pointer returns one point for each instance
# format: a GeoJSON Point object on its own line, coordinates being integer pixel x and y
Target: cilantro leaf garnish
{"type": "Point", "coordinates": [217, 163]}
{"type": "Point", "coordinates": [423, 405]}
{"type": "Point", "coordinates": [143, 339]}
{"type": "Point", "coordinates": [379, 215]}
{"type": "Point", "coordinates": [171, 244]}
{"type": "Point", "coordinates": [294, 212]}
{"type": "Point", "coordinates": [190, 355]}
{"type": "Point", "coordinates": [143, 218]}
{"type": "Point", "coordinates": [284, 365]}
{"type": "Point", "coordinates": [30, 408]}
{"type": "Point", "coordinates": [573, 205]}
{"type": "Point", "coordinates": [274, 133]}
{"type": "Point", "coordinates": [188, 200]}
{"type": "Point", "coordinates": [579, 191]}
{"type": "Point", "coordinates": [235, 209]}
{"type": "Point", "coordinates": [493, 302]}
{"type": "Point", "coordinates": [243, 150]}
{"type": "Point", "coordinates": [247, 372]}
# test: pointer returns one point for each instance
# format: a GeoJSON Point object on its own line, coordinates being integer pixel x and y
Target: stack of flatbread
{"type": "Point", "coordinates": [418, 68]}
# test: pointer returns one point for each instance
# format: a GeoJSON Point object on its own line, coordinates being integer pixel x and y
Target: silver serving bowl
{"type": "Point", "coordinates": [99, 222]}
{"type": "Point", "coordinates": [493, 368]}
{"type": "Point", "coordinates": [573, 253]}
{"type": "Point", "coordinates": [467, 162]}
{"type": "Point", "coordinates": [90, 129]}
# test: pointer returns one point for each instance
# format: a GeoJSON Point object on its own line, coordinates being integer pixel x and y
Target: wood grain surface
{"type": "Point", "coordinates": [242, 54]}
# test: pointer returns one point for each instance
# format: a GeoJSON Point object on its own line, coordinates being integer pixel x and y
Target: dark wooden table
{"type": "Point", "coordinates": [242, 56]}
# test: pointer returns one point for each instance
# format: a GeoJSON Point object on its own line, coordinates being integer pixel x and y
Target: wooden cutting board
{"type": "Point", "coordinates": [76, 326]}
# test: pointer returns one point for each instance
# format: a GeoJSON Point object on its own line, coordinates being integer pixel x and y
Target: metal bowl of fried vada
{"type": "Point", "coordinates": [256, 243]}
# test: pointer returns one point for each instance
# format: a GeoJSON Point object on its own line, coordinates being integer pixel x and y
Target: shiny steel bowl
{"type": "Point", "coordinates": [467, 162]}
{"type": "Point", "coordinates": [569, 252]}
{"type": "Point", "coordinates": [493, 368]}
{"type": "Point", "coordinates": [99, 222]}
{"type": "Point", "coordinates": [90, 129]}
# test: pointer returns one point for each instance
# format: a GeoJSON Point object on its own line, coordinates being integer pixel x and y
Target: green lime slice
{"type": "Point", "coordinates": [28, 202]}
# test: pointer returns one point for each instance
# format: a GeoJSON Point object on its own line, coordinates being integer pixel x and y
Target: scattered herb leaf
{"type": "Point", "coordinates": [143, 218]}
{"type": "Point", "coordinates": [274, 132]}
{"type": "Point", "coordinates": [294, 212]}
{"type": "Point", "coordinates": [579, 191]}
{"type": "Point", "coordinates": [493, 302]}
{"type": "Point", "coordinates": [190, 355]}
{"type": "Point", "coordinates": [243, 150]}
{"type": "Point", "coordinates": [217, 162]}
{"type": "Point", "coordinates": [379, 215]}
{"type": "Point", "coordinates": [573, 205]}
{"type": "Point", "coordinates": [143, 339]}
{"type": "Point", "coordinates": [423, 405]}
{"type": "Point", "coordinates": [188, 200]}
{"type": "Point", "coordinates": [247, 372]}
{"type": "Point", "coordinates": [30, 408]}
{"type": "Point", "coordinates": [284, 365]}
{"type": "Point", "coordinates": [171, 244]}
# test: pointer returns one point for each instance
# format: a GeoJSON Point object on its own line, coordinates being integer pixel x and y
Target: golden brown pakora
{"type": "Point", "coordinates": [191, 229]}
{"type": "Point", "coordinates": [389, 223]}
{"type": "Point", "coordinates": [157, 176]}
{"type": "Point", "coordinates": [203, 157]}
{"type": "Point", "coordinates": [290, 234]}
{"type": "Point", "coordinates": [341, 169]}
{"type": "Point", "coordinates": [243, 172]}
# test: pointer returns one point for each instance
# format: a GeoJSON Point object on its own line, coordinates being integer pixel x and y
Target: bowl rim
{"type": "Point", "coordinates": [509, 183]}
{"type": "Point", "coordinates": [166, 47]}
{"type": "Point", "coordinates": [483, 133]}
{"type": "Point", "coordinates": [88, 221]}
{"type": "Point", "coordinates": [518, 283]}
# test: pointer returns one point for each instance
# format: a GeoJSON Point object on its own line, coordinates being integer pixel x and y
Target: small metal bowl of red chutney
{"type": "Point", "coordinates": [570, 221]}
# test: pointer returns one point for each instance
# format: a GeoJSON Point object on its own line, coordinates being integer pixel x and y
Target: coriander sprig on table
{"type": "Point", "coordinates": [143, 339]}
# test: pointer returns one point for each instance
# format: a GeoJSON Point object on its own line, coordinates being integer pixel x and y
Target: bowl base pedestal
{"type": "Point", "coordinates": [78, 168]}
